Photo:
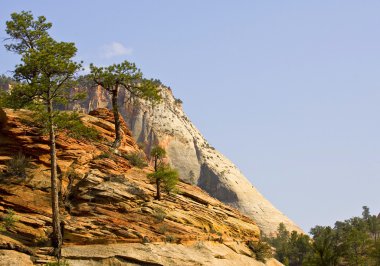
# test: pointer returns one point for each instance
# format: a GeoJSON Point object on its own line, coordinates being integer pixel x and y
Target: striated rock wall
{"type": "Point", "coordinates": [166, 124]}
{"type": "Point", "coordinates": [109, 210]}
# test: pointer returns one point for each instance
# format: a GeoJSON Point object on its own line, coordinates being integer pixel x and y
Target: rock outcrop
{"type": "Point", "coordinates": [198, 162]}
{"type": "Point", "coordinates": [109, 212]}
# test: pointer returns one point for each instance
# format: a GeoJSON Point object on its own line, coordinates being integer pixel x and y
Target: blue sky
{"type": "Point", "coordinates": [288, 90]}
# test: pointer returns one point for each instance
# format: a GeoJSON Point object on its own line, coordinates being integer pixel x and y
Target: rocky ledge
{"type": "Point", "coordinates": [109, 210]}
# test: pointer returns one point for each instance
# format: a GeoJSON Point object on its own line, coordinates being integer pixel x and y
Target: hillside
{"type": "Point", "coordinates": [198, 162]}
{"type": "Point", "coordinates": [110, 215]}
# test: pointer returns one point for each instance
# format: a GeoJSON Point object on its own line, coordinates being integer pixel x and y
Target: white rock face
{"type": "Point", "coordinates": [167, 125]}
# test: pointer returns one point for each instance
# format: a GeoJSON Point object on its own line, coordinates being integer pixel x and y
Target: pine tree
{"type": "Point", "coordinates": [163, 174]}
{"type": "Point", "coordinates": [45, 74]}
{"type": "Point", "coordinates": [127, 76]}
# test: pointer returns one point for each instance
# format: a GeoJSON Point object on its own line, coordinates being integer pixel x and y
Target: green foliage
{"type": "Point", "coordinates": [45, 76]}
{"type": "Point", "coordinates": [8, 221]}
{"type": "Point", "coordinates": [16, 98]}
{"type": "Point", "coordinates": [178, 101]}
{"type": "Point", "coordinates": [5, 81]}
{"type": "Point", "coordinates": [69, 122]}
{"type": "Point", "coordinates": [17, 166]}
{"type": "Point", "coordinates": [159, 215]}
{"type": "Point", "coordinates": [163, 229]}
{"type": "Point", "coordinates": [46, 67]}
{"type": "Point", "coordinates": [127, 76]}
{"type": "Point", "coordinates": [170, 178]}
{"type": "Point", "coordinates": [351, 242]}
{"type": "Point", "coordinates": [158, 153]}
{"type": "Point", "coordinates": [167, 175]}
{"type": "Point", "coordinates": [85, 82]}
{"type": "Point", "coordinates": [261, 250]}
{"type": "Point", "coordinates": [170, 239]}
{"type": "Point", "coordinates": [104, 155]}
{"type": "Point", "coordinates": [136, 159]}
{"type": "Point", "coordinates": [124, 75]}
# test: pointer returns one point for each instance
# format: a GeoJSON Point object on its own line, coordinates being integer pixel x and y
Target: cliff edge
{"type": "Point", "coordinates": [198, 162]}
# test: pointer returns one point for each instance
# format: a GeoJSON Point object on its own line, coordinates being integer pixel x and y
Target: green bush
{"type": "Point", "coordinates": [18, 165]}
{"type": "Point", "coordinates": [71, 122]}
{"type": "Point", "coordinates": [8, 221]}
{"type": "Point", "coordinates": [162, 229]}
{"type": "Point", "coordinates": [170, 239]}
{"type": "Point", "coordinates": [261, 250]}
{"type": "Point", "coordinates": [136, 159]}
{"type": "Point", "coordinates": [159, 215]}
{"type": "Point", "coordinates": [104, 155]}
{"type": "Point", "coordinates": [178, 101]}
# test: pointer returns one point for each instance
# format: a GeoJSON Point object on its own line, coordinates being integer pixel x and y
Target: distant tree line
{"type": "Point", "coordinates": [353, 242]}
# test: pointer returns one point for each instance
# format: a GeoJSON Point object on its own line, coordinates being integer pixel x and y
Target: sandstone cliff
{"type": "Point", "coordinates": [197, 161]}
{"type": "Point", "coordinates": [110, 215]}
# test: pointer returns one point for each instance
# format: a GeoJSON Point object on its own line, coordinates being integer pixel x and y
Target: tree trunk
{"type": "Point", "coordinates": [56, 237]}
{"type": "Point", "coordinates": [115, 109]}
{"type": "Point", "coordinates": [158, 183]}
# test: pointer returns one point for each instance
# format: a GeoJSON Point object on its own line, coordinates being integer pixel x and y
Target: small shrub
{"type": "Point", "coordinates": [159, 215]}
{"type": "Point", "coordinates": [145, 240]}
{"type": "Point", "coordinates": [261, 250]}
{"type": "Point", "coordinates": [170, 239]}
{"type": "Point", "coordinates": [136, 159]}
{"type": "Point", "coordinates": [178, 101]}
{"type": "Point", "coordinates": [162, 229]}
{"type": "Point", "coordinates": [17, 166]}
{"type": "Point", "coordinates": [104, 155]}
{"type": "Point", "coordinates": [72, 123]}
{"type": "Point", "coordinates": [9, 220]}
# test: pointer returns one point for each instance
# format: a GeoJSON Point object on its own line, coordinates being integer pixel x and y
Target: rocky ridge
{"type": "Point", "coordinates": [109, 211]}
{"type": "Point", "coordinates": [198, 162]}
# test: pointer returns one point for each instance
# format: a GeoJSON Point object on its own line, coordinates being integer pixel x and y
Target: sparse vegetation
{"type": "Point", "coordinates": [17, 166]}
{"type": "Point", "coordinates": [8, 221]}
{"type": "Point", "coordinates": [104, 155]}
{"type": "Point", "coordinates": [261, 250]}
{"type": "Point", "coordinates": [163, 174]}
{"type": "Point", "coordinates": [178, 101]}
{"type": "Point", "coordinates": [136, 159]}
{"type": "Point", "coordinates": [170, 239]}
{"type": "Point", "coordinates": [69, 122]}
{"type": "Point", "coordinates": [159, 215]}
{"type": "Point", "coordinates": [163, 229]}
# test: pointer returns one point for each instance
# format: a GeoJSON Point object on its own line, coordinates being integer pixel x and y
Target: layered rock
{"type": "Point", "coordinates": [166, 124]}
{"type": "Point", "coordinates": [107, 202]}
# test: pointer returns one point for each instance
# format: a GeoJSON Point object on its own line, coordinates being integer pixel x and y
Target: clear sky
{"type": "Point", "coordinates": [288, 90]}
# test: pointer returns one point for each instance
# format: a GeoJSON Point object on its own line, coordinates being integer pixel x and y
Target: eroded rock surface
{"type": "Point", "coordinates": [199, 253]}
{"type": "Point", "coordinates": [166, 124]}
{"type": "Point", "coordinates": [109, 202]}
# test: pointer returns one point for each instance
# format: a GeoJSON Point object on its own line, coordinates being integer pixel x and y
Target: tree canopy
{"type": "Point", "coordinates": [45, 77]}
{"type": "Point", "coordinates": [127, 76]}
